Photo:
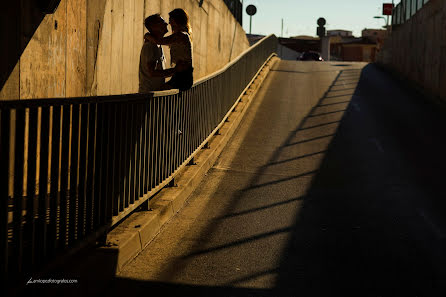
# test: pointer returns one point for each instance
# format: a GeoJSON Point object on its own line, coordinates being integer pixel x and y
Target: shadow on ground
{"type": "Point", "coordinates": [372, 222]}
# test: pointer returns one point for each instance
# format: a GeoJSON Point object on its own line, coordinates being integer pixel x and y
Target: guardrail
{"type": "Point", "coordinates": [71, 168]}
{"type": "Point", "coordinates": [405, 10]}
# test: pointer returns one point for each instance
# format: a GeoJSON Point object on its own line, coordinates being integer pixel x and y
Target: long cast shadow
{"type": "Point", "coordinates": [372, 223]}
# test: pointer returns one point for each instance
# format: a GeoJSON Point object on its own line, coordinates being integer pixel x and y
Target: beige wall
{"type": "Point", "coordinates": [417, 48]}
{"type": "Point", "coordinates": [91, 47]}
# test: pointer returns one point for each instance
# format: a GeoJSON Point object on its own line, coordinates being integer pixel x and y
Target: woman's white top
{"type": "Point", "coordinates": [182, 51]}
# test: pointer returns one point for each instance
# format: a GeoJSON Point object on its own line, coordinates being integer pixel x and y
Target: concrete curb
{"type": "Point", "coordinates": [131, 236]}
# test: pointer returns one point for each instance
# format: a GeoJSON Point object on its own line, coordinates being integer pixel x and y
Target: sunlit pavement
{"type": "Point", "coordinates": [331, 186]}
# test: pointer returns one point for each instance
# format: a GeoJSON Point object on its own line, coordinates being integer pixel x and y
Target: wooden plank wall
{"type": "Point", "coordinates": [76, 58]}
{"type": "Point", "coordinates": [92, 47]}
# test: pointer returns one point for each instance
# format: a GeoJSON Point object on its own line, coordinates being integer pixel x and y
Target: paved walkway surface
{"type": "Point", "coordinates": [333, 185]}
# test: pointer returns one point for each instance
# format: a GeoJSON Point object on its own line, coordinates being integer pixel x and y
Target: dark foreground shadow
{"type": "Point", "coordinates": [372, 223]}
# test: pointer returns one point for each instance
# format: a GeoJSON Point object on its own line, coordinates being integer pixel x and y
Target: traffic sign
{"type": "Point", "coordinates": [321, 22]}
{"type": "Point", "coordinates": [251, 9]}
{"type": "Point", "coordinates": [387, 8]}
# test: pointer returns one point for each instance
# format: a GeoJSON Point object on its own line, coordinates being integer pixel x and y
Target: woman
{"type": "Point", "coordinates": [180, 43]}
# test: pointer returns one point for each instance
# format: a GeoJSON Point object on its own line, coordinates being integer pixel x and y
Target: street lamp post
{"type": "Point", "coordinates": [381, 17]}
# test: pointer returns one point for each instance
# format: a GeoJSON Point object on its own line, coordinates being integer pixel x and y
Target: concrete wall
{"type": "Point", "coordinates": [91, 47]}
{"type": "Point", "coordinates": [417, 49]}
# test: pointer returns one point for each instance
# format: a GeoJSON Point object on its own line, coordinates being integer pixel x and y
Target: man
{"type": "Point", "coordinates": [152, 62]}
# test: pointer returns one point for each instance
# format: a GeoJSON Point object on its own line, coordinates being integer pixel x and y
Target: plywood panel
{"type": "Point", "coordinates": [95, 21]}
{"type": "Point", "coordinates": [203, 43]}
{"type": "Point", "coordinates": [152, 7]}
{"type": "Point", "coordinates": [127, 47]}
{"type": "Point", "coordinates": [42, 65]}
{"type": "Point", "coordinates": [11, 89]}
{"type": "Point", "coordinates": [76, 48]}
{"type": "Point", "coordinates": [213, 47]}
{"type": "Point", "coordinates": [104, 53]}
{"type": "Point", "coordinates": [140, 10]}
{"type": "Point", "coordinates": [117, 28]}
{"type": "Point", "coordinates": [57, 52]}
{"type": "Point", "coordinates": [195, 20]}
{"type": "Point", "coordinates": [166, 7]}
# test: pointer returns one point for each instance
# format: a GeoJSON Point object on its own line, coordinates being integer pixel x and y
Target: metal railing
{"type": "Point", "coordinates": [72, 168]}
{"type": "Point", "coordinates": [405, 10]}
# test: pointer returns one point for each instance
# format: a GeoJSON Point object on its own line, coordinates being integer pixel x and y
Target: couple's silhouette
{"type": "Point", "coordinates": [152, 70]}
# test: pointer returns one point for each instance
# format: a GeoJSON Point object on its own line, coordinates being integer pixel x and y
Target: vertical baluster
{"type": "Point", "coordinates": [197, 109]}
{"type": "Point", "coordinates": [123, 203]}
{"type": "Point", "coordinates": [100, 159]}
{"type": "Point", "coordinates": [5, 132]}
{"type": "Point", "coordinates": [143, 148]}
{"type": "Point", "coordinates": [90, 170]}
{"type": "Point", "coordinates": [31, 198]}
{"type": "Point", "coordinates": [137, 163]}
{"type": "Point", "coordinates": [82, 174]}
{"type": "Point", "coordinates": [75, 206]}
{"type": "Point", "coordinates": [166, 134]}
{"type": "Point", "coordinates": [101, 185]}
{"type": "Point", "coordinates": [65, 176]}
{"type": "Point", "coordinates": [148, 146]}
{"type": "Point", "coordinates": [157, 144]}
{"type": "Point", "coordinates": [169, 134]}
{"type": "Point", "coordinates": [117, 169]}
{"type": "Point", "coordinates": [161, 131]}
{"type": "Point", "coordinates": [18, 199]}
{"type": "Point", "coordinates": [109, 196]}
{"type": "Point", "coordinates": [130, 191]}
{"type": "Point", "coordinates": [190, 127]}
{"type": "Point", "coordinates": [153, 142]}
{"type": "Point", "coordinates": [44, 181]}
{"type": "Point", "coordinates": [176, 134]}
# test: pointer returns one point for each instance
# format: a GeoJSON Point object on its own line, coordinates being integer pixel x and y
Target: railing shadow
{"type": "Point", "coordinates": [365, 225]}
{"type": "Point", "coordinates": [229, 211]}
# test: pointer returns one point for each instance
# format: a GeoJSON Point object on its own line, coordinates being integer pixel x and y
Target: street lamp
{"type": "Point", "coordinates": [381, 17]}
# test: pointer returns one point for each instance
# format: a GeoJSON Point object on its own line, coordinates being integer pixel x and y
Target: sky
{"type": "Point", "coordinates": [300, 16]}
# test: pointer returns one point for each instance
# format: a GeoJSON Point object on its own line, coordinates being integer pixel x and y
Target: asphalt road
{"type": "Point", "coordinates": [333, 185]}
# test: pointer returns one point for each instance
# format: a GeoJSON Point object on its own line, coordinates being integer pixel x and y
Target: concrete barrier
{"type": "Point", "coordinates": [416, 50]}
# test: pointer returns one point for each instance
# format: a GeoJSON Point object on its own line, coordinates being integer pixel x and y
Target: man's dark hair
{"type": "Point", "coordinates": [151, 20]}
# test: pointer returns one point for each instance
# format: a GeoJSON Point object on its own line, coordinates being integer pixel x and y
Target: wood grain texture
{"type": "Point", "coordinates": [104, 53]}
{"type": "Point", "coordinates": [43, 63]}
{"type": "Point", "coordinates": [95, 22]}
{"type": "Point", "coordinates": [128, 56]}
{"type": "Point", "coordinates": [116, 64]}
{"type": "Point", "coordinates": [76, 48]}
{"type": "Point", "coordinates": [138, 40]}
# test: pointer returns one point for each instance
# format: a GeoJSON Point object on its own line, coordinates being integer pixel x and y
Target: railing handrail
{"type": "Point", "coordinates": [251, 48]}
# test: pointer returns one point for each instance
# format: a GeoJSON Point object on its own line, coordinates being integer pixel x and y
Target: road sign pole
{"type": "Point", "coordinates": [250, 23]}
{"type": "Point", "coordinates": [251, 10]}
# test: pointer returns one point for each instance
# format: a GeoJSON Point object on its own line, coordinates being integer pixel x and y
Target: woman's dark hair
{"type": "Point", "coordinates": [181, 18]}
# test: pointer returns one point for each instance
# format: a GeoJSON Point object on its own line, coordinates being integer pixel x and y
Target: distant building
{"type": "Point", "coordinates": [375, 34]}
{"type": "Point", "coordinates": [342, 33]}
{"type": "Point", "coordinates": [360, 49]}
